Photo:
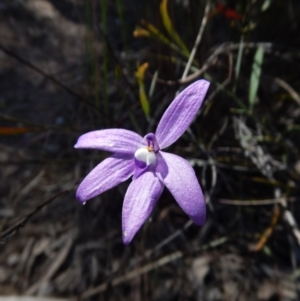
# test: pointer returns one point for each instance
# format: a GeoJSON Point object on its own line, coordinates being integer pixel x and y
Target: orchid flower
{"type": "Point", "coordinates": [151, 168]}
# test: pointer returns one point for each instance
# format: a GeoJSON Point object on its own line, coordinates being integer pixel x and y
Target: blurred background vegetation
{"type": "Point", "coordinates": [71, 66]}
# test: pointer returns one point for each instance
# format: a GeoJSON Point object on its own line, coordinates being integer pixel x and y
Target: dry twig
{"type": "Point", "coordinates": [5, 235]}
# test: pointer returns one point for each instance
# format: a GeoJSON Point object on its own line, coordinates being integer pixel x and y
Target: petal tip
{"type": "Point", "coordinates": [200, 219]}
{"type": "Point", "coordinates": [204, 84]}
{"type": "Point", "coordinates": [80, 198]}
{"type": "Point", "coordinates": [126, 238]}
{"type": "Point", "coordinates": [205, 81]}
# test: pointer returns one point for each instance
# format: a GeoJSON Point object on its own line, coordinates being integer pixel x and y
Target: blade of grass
{"type": "Point", "coordinates": [255, 76]}
{"type": "Point", "coordinates": [238, 64]}
{"type": "Point", "coordinates": [169, 26]}
{"type": "Point", "coordinates": [266, 5]}
{"type": "Point", "coordinates": [153, 84]}
{"type": "Point", "coordinates": [143, 97]}
{"type": "Point", "coordinates": [197, 41]}
{"type": "Point", "coordinates": [151, 31]}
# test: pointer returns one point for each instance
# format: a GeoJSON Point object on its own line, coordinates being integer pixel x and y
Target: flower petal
{"type": "Point", "coordinates": [139, 201]}
{"type": "Point", "coordinates": [111, 140]}
{"type": "Point", "coordinates": [107, 174]}
{"type": "Point", "coordinates": [180, 113]}
{"type": "Point", "coordinates": [183, 184]}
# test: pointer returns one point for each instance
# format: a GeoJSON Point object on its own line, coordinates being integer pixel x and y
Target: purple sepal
{"type": "Point", "coordinates": [109, 173]}
{"type": "Point", "coordinates": [180, 113]}
{"type": "Point", "coordinates": [182, 182]}
{"type": "Point", "coordinates": [112, 140]}
{"type": "Point", "coordinates": [140, 198]}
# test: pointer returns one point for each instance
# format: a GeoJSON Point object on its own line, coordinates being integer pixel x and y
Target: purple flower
{"type": "Point", "coordinates": [151, 168]}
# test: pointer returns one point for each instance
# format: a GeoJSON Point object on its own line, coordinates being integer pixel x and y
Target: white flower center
{"type": "Point", "coordinates": [146, 155]}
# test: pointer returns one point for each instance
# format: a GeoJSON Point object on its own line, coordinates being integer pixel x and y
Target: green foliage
{"type": "Point", "coordinates": [255, 76]}
{"type": "Point", "coordinates": [142, 94]}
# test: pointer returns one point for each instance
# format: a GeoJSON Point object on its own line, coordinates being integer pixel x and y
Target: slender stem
{"type": "Point", "coordinates": [198, 39]}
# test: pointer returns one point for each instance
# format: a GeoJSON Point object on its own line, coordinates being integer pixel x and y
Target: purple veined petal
{"type": "Point", "coordinates": [140, 199]}
{"type": "Point", "coordinates": [112, 140]}
{"type": "Point", "coordinates": [107, 174]}
{"type": "Point", "coordinates": [180, 113]}
{"type": "Point", "coordinates": [183, 184]}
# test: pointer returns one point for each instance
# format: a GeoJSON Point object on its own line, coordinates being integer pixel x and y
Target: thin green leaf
{"type": "Point", "coordinates": [143, 97]}
{"type": "Point", "coordinates": [239, 61]}
{"type": "Point", "coordinates": [255, 76]}
{"type": "Point", "coordinates": [266, 5]}
{"type": "Point", "coordinates": [169, 26]}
